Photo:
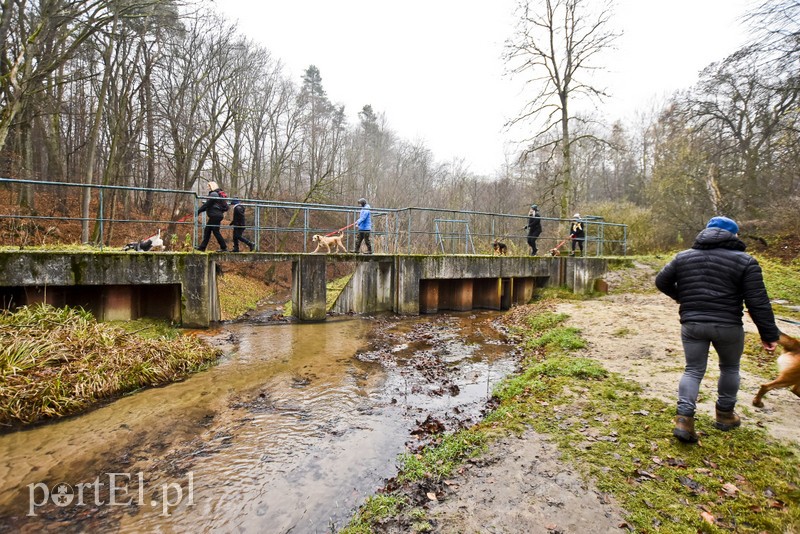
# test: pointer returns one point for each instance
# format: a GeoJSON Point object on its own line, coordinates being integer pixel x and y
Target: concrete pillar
{"type": "Point", "coordinates": [407, 276]}
{"type": "Point", "coordinates": [198, 279]}
{"type": "Point", "coordinates": [308, 288]}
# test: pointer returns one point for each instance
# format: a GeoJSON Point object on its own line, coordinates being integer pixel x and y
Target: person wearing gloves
{"type": "Point", "coordinates": [711, 282]}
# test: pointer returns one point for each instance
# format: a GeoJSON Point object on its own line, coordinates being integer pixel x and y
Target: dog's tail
{"type": "Point", "coordinates": [789, 343]}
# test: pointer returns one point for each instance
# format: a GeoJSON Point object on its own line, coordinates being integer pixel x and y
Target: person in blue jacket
{"type": "Point", "coordinates": [364, 225]}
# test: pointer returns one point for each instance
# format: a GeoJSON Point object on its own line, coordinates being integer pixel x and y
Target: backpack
{"type": "Point", "coordinates": [223, 204]}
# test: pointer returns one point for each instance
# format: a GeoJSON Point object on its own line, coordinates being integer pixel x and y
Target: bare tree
{"type": "Point", "coordinates": [554, 45]}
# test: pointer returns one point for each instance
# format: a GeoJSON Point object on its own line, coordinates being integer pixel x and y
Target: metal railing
{"type": "Point", "coordinates": [274, 226]}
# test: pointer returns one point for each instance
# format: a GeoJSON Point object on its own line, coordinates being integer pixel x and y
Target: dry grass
{"type": "Point", "coordinates": [61, 361]}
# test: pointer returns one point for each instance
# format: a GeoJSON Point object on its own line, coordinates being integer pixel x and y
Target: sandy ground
{"type": "Point", "coordinates": [523, 487]}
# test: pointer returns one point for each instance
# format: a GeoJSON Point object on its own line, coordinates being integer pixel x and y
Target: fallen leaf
{"type": "Point", "coordinates": [708, 518]}
{"type": "Point", "coordinates": [551, 526]}
{"type": "Point", "coordinates": [432, 496]}
{"type": "Point", "coordinates": [730, 489]}
{"type": "Point", "coordinates": [702, 471]}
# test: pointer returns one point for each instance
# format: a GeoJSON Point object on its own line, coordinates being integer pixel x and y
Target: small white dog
{"type": "Point", "coordinates": [328, 241]}
{"type": "Point", "coordinates": [154, 242]}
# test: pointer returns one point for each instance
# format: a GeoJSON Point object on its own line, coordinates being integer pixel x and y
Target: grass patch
{"type": "Point", "coordinates": [440, 460]}
{"type": "Point", "coordinates": [239, 294]}
{"type": "Point", "coordinates": [60, 361]}
{"type": "Point", "coordinates": [376, 507]}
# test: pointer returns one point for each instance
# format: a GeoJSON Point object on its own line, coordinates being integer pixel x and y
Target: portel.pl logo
{"type": "Point", "coordinates": [111, 489]}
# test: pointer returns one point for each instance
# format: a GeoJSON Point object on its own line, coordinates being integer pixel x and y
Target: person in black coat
{"type": "Point", "coordinates": [534, 227]}
{"type": "Point", "coordinates": [711, 282]}
{"type": "Point", "coordinates": [215, 208]}
{"type": "Point", "coordinates": [239, 223]}
{"type": "Point", "coordinates": [577, 234]}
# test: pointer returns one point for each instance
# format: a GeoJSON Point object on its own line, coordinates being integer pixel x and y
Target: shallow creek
{"type": "Point", "coordinates": [288, 433]}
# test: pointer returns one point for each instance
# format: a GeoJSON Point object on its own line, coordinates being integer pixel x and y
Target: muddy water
{"type": "Point", "coordinates": [288, 433]}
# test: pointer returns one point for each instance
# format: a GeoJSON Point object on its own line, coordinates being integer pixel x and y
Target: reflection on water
{"type": "Point", "coordinates": [289, 432]}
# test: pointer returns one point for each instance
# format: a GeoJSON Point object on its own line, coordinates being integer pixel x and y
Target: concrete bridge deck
{"type": "Point", "coordinates": [118, 285]}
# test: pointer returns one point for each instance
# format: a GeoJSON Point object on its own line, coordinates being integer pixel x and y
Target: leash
{"type": "Point", "coordinates": [790, 321]}
{"type": "Point", "coordinates": [343, 228]}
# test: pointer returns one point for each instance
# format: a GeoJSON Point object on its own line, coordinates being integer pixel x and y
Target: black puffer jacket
{"type": "Point", "coordinates": [711, 280]}
{"type": "Point", "coordinates": [215, 205]}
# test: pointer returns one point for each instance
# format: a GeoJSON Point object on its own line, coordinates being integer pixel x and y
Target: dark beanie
{"type": "Point", "coordinates": [723, 223]}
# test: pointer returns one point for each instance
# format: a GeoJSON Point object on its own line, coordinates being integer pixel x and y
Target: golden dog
{"type": "Point", "coordinates": [328, 241]}
{"type": "Point", "coordinates": [788, 370]}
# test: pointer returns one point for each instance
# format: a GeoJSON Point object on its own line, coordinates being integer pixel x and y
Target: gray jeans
{"type": "Point", "coordinates": [728, 341]}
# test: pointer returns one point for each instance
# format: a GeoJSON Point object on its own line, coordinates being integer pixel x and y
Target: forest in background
{"type": "Point", "coordinates": [164, 94]}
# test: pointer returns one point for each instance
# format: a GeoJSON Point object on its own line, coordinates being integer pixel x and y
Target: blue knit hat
{"type": "Point", "coordinates": [723, 223]}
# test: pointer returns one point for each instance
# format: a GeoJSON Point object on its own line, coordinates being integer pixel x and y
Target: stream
{"type": "Point", "coordinates": [289, 432]}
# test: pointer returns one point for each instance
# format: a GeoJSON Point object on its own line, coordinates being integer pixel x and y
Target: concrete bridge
{"type": "Point", "coordinates": [182, 286]}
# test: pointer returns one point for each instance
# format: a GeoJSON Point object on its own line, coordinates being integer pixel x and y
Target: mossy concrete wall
{"type": "Point", "coordinates": [115, 272]}
{"type": "Point", "coordinates": [477, 281]}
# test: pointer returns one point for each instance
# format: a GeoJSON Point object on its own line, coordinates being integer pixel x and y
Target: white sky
{"type": "Point", "coordinates": [434, 67]}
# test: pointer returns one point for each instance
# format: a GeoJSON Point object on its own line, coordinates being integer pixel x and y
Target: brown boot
{"type": "Point", "coordinates": [727, 420]}
{"type": "Point", "coordinates": [684, 429]}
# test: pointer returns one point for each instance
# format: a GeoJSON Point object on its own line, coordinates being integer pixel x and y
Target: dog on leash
{"type": "Point", "coordinates": [500, 249]}
{"type": "Point", "coordinates": [555, 252]}
{"type": "Point", "coordinates": [334, 241]}
{"type": "Point", "coordinates": [154, 242]}
{"type": "Point", "coordinates": [788, 370]}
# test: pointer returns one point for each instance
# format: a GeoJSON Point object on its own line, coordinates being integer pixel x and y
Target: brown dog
{"type": "Point", "coordinates": [328, 241]}
{"type": "Point", "coordinates": [500, 249]}
{"type": "Point", "coordinates": [788, 370]}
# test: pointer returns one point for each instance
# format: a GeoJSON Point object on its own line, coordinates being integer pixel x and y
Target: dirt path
{"type": "Point", "coordinates": [523, 487]}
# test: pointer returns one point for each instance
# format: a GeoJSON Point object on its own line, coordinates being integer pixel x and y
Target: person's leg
{"type": "Point", "coordinates": [359, 239]}
{"type": "Point", "coordinates": [206, 237]}
{"type": "Point", "coordinates": [368, 242]}
{"type": "Point", "coordinates": [534, 250]}
{"type": "Point", "coordinates": [729, 344]}
{"type": "Point", "coordinates": [237, 236]}
{"type": "Point", "coordinates": [217, 234]}
{"type": "Point", "coordinates": [696, 341]}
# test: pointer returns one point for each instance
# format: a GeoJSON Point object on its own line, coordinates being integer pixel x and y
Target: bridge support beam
{"type": "Point", "coordinates": [308, 288]}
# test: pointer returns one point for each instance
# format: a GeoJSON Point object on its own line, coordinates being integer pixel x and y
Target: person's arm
{"type": "Point", "coordinates": [758, 304]}
{"type": "Point", "coordinates": [666, 281]}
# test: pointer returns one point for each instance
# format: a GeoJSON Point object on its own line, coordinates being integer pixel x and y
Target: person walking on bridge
{"type": "Point", "coordinates": [239, 223]}
{"type": "Point", "coordinates": [534, 228]}
{"type": "Point", "coordinates": [364, 225]}
{"type": "Point", "coordinates": [215, 208]}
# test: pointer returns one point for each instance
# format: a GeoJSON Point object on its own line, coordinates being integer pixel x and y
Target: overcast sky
{"type": "Point", "coordinates": [434, 67]}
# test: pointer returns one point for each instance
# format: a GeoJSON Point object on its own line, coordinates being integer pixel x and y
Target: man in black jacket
{"type": "Point", "coordinates": [711, 281]}
{"type": "Point", "coordinates": [239, 223]}
{"type": "Point", "coordinates": [215, 208]}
